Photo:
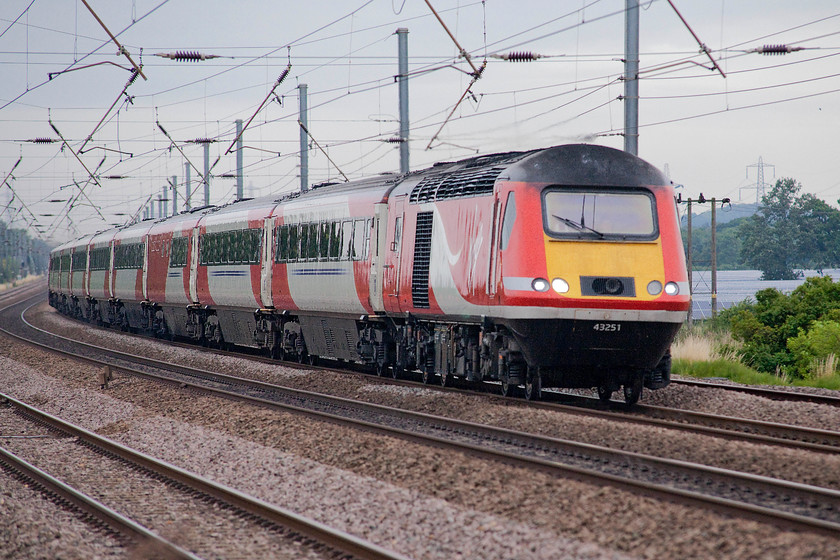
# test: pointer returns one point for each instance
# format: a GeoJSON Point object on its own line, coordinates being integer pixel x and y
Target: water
{"type": "Point", "coordinates": [734, 286]}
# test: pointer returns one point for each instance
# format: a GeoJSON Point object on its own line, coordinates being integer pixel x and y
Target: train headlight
{"type": "Point", "coordinates": [560, 286]}
{"type": "Point", "coordinates": [655, 288]}
{"type": "Point", "coordinates": [540, 284]}
{"type": "Point", "coordinates": [672, 289]}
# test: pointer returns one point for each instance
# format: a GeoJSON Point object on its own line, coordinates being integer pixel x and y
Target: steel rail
{"type": "Point", "coordinates": [318, 532]}
{"type": "Point", "coordinates": [88, 505]}
{"type": "Point", "coordinates": [539, 452]}
{"type": "Point", "coordinates": [774, 394]}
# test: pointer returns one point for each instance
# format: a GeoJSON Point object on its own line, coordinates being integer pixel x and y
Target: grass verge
{"type": "Point", "coordinates": [739, 373]}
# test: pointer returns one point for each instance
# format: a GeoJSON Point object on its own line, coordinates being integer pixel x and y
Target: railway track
{"type": "Point", "coordinates": [232, 514]}
{"type": "Point", "coordinates": [775, 394]}
{"type": "Point", "coordinates": [790, 504]}
{"type": "Point", "coordinates": [84, 505]}
{"type": "Point", "coordinates": [729, 427]}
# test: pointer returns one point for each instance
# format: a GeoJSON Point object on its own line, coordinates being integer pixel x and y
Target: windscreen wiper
{"type": "Point", "coordinates": [577, 226]}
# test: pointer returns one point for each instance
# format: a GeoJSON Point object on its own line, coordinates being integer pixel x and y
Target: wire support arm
{"type": "Point", "coordinates": [703, 47]}
{"type": "Point", "coordinates": [260, 108]}
{"type": "Point", "coordinates": [452, 112]}
{"type": "Point", "coordinates": [463, 53]}
{"type": "Point", "coordinates": [120, 49]}
{"type": "Point", "coordinates": [306, 130]}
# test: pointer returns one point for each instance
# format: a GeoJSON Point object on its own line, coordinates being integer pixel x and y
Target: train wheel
{"type": "Point", "coordinates": [312, 359]}
{"type": "Point", "coordinates": [533, 384]}
{"type": "Point", "coordinates": [381, 370]}
{"type": "Point", "coordinates": [633, 389]}
{"type": "Point", "coordinates": [396, 372]}
{"type": "Point", "coordinates": [445, 379]}
{"type": "Point", "coordinates": [604, 394]}
{"type": "Point", "coordinates": [428, 375]}
{"type": "Point", "coordinates": [507, 387]}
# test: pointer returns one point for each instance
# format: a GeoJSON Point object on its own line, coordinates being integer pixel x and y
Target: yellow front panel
{"type": "Point", "coordinates": [570, 260]}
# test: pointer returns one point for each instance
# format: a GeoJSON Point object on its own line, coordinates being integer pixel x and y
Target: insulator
{"type": "Point", "coordinates": [115, 176]}
{"type": "Point", "coordinates": [775, 49]}
{"type": "Point", "coordinates": [203, 141]}
{"type": "Point", "coordinates": [283, 75]}
{"type": "Point", "coordinates": [395, 140]}
{"type": "Point", "coordinates": [42, 140]}
{"type": "Point", "coordinates": [523, 56]}
{"type": "Point", "coordinates": [133, 77]}
{"type": "Point", "coordinates": [187, 56]}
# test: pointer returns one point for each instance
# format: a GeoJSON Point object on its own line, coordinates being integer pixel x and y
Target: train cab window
{"type": "Point", "coordinates": [509, 219]}
{"type": "Point", "coordinates": [599, 214]}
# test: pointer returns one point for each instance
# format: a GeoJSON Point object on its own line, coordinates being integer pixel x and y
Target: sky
{"type": "Point", "coordinates": [66, 113]}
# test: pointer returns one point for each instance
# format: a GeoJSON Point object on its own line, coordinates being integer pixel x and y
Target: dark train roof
{"type": "Point", "coordinates": [572, 164]}
{"type": "Point", "coordinates": [585, 164]}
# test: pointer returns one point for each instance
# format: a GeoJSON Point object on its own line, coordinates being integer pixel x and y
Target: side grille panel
{"type": "Point", "coordinates": [422, 257]}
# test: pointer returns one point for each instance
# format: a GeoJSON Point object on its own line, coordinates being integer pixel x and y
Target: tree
{"type": "Point", "coordinates": [728, 249]}
{"type": "Point", "coordinates": [790, 231]}
{"type": "Point", "coordinates": [776, 329]}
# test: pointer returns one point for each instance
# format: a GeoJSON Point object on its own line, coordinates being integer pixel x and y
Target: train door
{"type": "Point", "coordinates": [392, 257]}
{"type": "Point", "coordinates": [267, 262]}
{"type": "Point", "coordinates": [147, 249]}
{"type": "Point", "coordinates": [86, 281]}
{"type": "Point", "coordinates": [111, 274]}
{"type": "Point", "coordinates": [194, 265]}
{"type": "Point", "coordinates": [494, 248]}
{"type": "Point", "coordinates": [377, 254]}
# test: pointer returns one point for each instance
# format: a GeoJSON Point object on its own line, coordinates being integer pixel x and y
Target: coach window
{"type": "Point", "coordinates": [294, 243]}
{"type": "Point", "coordinates": [335, 241]}
{"type": "Point", "coordinates": [324, 249]}
{"type": "Point", "coordinates": [281, 249]}
{"type": "Point", "coordinates": [368, 226]}
{"type": "Point", "coordinates": [304, 241]}
{"type": "Point", "coordinates": [358, 240]}
{"type": "Point", "coordinates": [347, 240]}
{"type": "Point", "coordinates": [312, 242]}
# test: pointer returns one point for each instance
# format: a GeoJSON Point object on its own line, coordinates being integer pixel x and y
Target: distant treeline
{"type": "Point", "coordinates": [20, 254]}
{"type": "Point", "coordinates": [788, 233]}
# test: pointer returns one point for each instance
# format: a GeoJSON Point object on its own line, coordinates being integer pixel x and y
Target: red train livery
{"type": "Point", "coordinates": [555, 267]}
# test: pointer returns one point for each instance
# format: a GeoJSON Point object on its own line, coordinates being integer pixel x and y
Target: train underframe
{"type": "Point", "coordinates": [530, 353]}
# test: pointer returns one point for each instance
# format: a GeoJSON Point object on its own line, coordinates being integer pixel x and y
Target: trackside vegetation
{"type": "Point", "coordinates": [774, 339]}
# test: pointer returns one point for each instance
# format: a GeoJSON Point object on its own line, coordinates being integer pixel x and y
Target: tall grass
{"type": "Point", "coordinates": [702, 351]}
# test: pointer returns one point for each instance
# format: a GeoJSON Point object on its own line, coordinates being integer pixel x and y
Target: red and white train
{"type": "Point", "coordinates": [555, 267]}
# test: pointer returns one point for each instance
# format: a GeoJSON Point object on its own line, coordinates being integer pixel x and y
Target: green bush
{"type": "Point", "coordinates": [766, 326]}
{"type": "Point", "coordinates": [818, 343]}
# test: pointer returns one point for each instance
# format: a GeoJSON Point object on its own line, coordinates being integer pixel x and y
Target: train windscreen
{"type": "Point", "coordinates": [594, 214]}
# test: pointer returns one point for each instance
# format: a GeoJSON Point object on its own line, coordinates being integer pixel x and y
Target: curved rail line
{"type": "Point", "coordinates": [781, 502]}
{"type": "Point", "coordinates": [81, 502]}
{"type": "Point", "coordinates": [334, 539]}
